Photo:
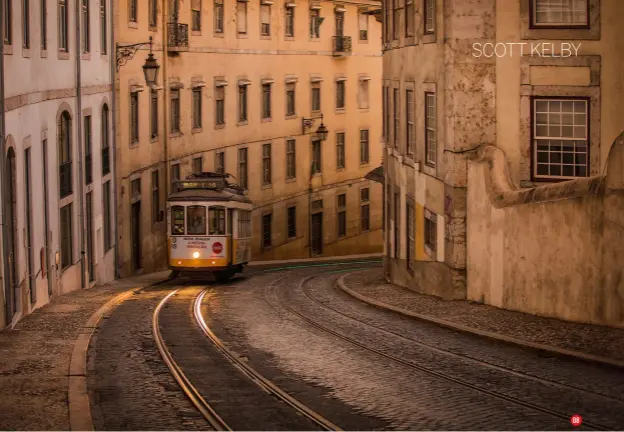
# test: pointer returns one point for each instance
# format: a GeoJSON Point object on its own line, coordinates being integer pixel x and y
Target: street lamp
{"type": "Point", "coordinates": [150, 68]}
{"type": "Point", "coordinates": [321, 131]}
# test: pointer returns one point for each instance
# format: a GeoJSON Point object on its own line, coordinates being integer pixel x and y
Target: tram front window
{"type": "Point", "coordinates": [196, 220]}
{"type": "Point", "coordinates": [217, 221]}
{"type": "Point", "coordinates": [177, 220]}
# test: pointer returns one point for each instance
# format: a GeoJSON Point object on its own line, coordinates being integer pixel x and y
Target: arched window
{"type": "Point", "coordinates": [105, 141]}
{"type": "Point", "coordinates": [64, 155]}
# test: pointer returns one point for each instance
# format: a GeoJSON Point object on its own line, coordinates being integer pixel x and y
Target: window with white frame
{"type": "Point", "coordinates": [134, 117]}
{"type": "Point", "coordinates": [153, 13]}
{"type": "Point", "coordinates": [220, 105]}
{"type": "Point", "coordinates": [196, 15]}
{"type": "Point", "coordinates": [289, 30]}
{"type": "Point", "coordinates": [364, 147]}
{"type": "Point", "coordinates": [242, 167]}
{"type": "Point", "coordinates": [175, 110]}
{"type": "Point", "coordinates": [86, 27]}
{"type": "Point", "coordinates": [315, 23]}
{"type": "Point", "coordinates": [429, 16]}
{"type": "Point", "coordinates": [290, 99]}
{"type": "Point", "coordinates": [316, 96]}
{"type": "Point", "coordinates": [266, 101]}
{"type": "Point", "coordinates": [340, 94]}
{"type": "Point", "coordinates": [560, 13]}
{"type": "Point", "coordinates": [291, 158]}
{"type": "Point", "coordinates": [431, 233]}
{"type": "Point", "coordinates": [265, 20]}
{"type": "Point", "coordinates": [8, 23]}
{"type": "Point", "coordinates": [133, 10]}
{"type": "Point", "coordinates": [26, 23]}
{"type": "Point", "coordinates": [197, 108]}
{"type": "Point", "coordinates": [103, 28]}
{"type": "Point", "coordinates": [63, 27]}
{"type": "Point", "coordinates": [43, 22]}
{"type": "Point", "coordinates": [340, 150]}
{"type": "Point", "coordinates": [242, 102]}
{"type": "Point", "coordinates": [560, 138]}
{"type": "Point", "coordinates": [218, 16]}
{"type": "Point", "coordinates": [431, 146]}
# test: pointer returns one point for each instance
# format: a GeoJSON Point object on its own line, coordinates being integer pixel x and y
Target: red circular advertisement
{"type": "Point", "coordinates": [217, 247]}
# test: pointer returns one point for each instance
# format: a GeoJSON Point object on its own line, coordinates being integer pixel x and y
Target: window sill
{"type": "Point", "coordinates": [220, 126]}
{"type": "Point", "coordinates": [154, 139]}
{"type": "Point", "coordinates": [364, 164]}
{"type": "Point", "coordinates": [363, 41]}
{"type": "Point", "coordinates": [86, 56]}
{"type": "Point", "coordinates": [341, 169]}
{"type": "Point", "coordinates": [429, 38]}
{"type": "Point", "coordinates": [314, 39]}
{"type": "Point", "coordinates": [317, 174]}
{"type": "Point", "coordinates": [242, 123]}
{"type": "Point", "coordinates": [340, 111]}
{"type": "Point", "coordinates": [8, 49]}
{"type": "Point", "coordinates": [364, 110]}
{"type": "Point", "coordinates": [133, 24]}
{"type": "Point", "coordinates": [242, 35]}
{"type": "Point", "coordinates": [44, 53]}
{"type": "Point", "coordinates": [63, 55]}
{"type": "Point", "coordinates": [196, 130]}
{"type": "Point", "coordinates": [175, 134]}
{"type": "Point", "coordinates": [196, 33]}
{"type": "Point", "coordinates": [104, 55]}
{"type": "Point", "coordinates": [134, 144]}
{"type": "Point", "coordinates": [25, 52]}
{"type": "Point", "coordinates": [291, 180]}
{"type": "Point", "coordinates": [153, 28]}
{"type": "Point", "coordinates": [218, 34]}
{"type": "Point", "coordinates": [266, 120]}
{"type": "Point", "coordinates": [291, 116]}
{"type": "Point", "coordinates": [265, 37]}
{"type": "Point", "coordinates": [289, 38]}
{"type": "Point", "coordinates": [266, 186]}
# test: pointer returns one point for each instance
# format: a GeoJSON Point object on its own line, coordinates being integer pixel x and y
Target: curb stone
{"type": "Point", "coordinates": [77, 393]}
{"type": "Point", "coordinates": [561, 352]}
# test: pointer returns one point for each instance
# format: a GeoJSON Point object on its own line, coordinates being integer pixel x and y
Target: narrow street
{"type": "Point", "coordinates": [280, 348]}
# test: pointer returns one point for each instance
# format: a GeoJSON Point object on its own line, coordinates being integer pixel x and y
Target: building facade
{"type": "Point", "coordinates": [500, 115]}
{"type": "Point", "coordinates": [242, 88]}
{"type": "Point", "coordinates": [57, 184]}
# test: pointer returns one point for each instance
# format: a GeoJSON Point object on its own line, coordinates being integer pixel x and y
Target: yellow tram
{"type": "Point", "coordinates": [209, 226]}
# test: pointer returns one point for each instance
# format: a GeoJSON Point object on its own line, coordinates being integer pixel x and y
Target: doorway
{"type": "Point", "coordinates": [136, 235]}
{"type": "Point", "coordinates": [317, 233]}
{"type": "Point", "coordinates": [11, 288]}
{"type": "Point", "coordinates": [90, 255]}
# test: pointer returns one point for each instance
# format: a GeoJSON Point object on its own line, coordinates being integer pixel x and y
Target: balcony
{"type": "Point", "coordinates": [177, 38]}
{"type": "Point", "coordinates": [341, 46]}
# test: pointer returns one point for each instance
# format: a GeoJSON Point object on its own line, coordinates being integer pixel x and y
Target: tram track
{"type": "Point", "coordinates": [414, 366]}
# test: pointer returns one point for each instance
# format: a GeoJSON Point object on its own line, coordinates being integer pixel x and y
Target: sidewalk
{"type": "Point", "coordinates": [35, 356]}
{"type": "Point", "coordinates": [587, 342]}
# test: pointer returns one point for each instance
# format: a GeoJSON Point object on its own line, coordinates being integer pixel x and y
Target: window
{"type": "Point", "coordinates": [266, 164]}
{"type": "Point", "coordinates": [431, 232]}
{"type": "Point", "coordinates": [86, 28]}
{"type": "Point", "coordinates": [220, 105]}
{"type": "Point", "coordinates": [387, 25]}
{"type": "Point", "coordinates": [153, 13]}
{"type": "Point", "coordinates": [397, 226]}
{"type": "Point", "coordinates": [218, 16]}
{"type": "Point", "coordinates": [316, 157]}
{"type": "Point", "coordinates": [340, 150]}
{"type": "Point", "coordinates": [135, 189]}
{"type": "Point", "coordinates": [267, 221]}
{"type": "Point", "coordinates": [66, 236]}
{"type": "Point", "coordinates": [290, 99]}
{"type": "Point", "coordinates": [364, 147]}
{"type": "Point", "coordinates": [429, 16]}
{"type": "Point", "coordinates": [242, 103]}
{"type": "Point", "coordinates": [409, 121]}
{"type": "Point", "coordinates": [396, 18]}
{"type": "Point", "coordinates": [198, 165]}
{"type": "Point", "coordinates": [363, 24]}
{"type": "Point", "coordinates": [155, 197]}
{"type": "Point", "coordinates": [340, 94]}
{"type": "Point", "coordinates": [175, 110]}
{"type": "Point", "coordinates": [103, 28]}
{"type": "Point", "coordinates": [315, 23]}
{"type": "Point", "coordinates": [430, 129]}
{"type": "Point", "coordinates": [266, 101]}
{"type": "Point", "coordinates": [196, 220]}
{"type": "Point", "coordinates": [105, 141]}
{"type": "Point", "coordinates": [386, 113]}
{"type": "Point", "coordinates": [560, 138]}
{"type": "Point", "coordinates": [43, 16]}
{"type": "Point", "coordinates": [197, 108]}
{"type": "Point", "coordinates": [153, 113]}
{"type": "Point", "coordinates": [65, 155]}
{"type": "Point", "coordinates": [88, 143]}
{"type": "Point", "coordinates": [342, 215]}
{"type": "Point", "coordinates": [217, 221]}
{"type": "Point", "coordinates": [291, 227]}
{"type": "Point", "coordinates": [26, 23]}
{"type": "Point", "coordinates": [560, 13]}
{"type": "Point", "coordinates": [410, 237]}
{"type": "Point", "coordinates": [316, 97]}
{"type": "Point", "coordinates": [291, 159]}
{"type": "Point", "coordinates": [395, 136]}
{"type": "Point", "coordinates": [363, 94]}
{"type": "Point", "coordinates": [106, 205]}
{"type": "Point", "coordinates": [175, 176]}
{"type": "Point", "coordinates": [63, 28]}
{"type": "Point", "coordinates": [177, 220]}
{"type": "Point", "coordinates": [289, 30]}
{"type": "Point", "coordinates": [220, 162]}
{"type": "Point", "coordinates": [409, 18]}
{"type": "Point", "coordinates": [244, 224]}
{"type": "Point", "coordinates": [364, 209]}
{"type": "Point", "coordinates": [242, 167]}
{"type": "Point", "coordinates": [196, 15]}
{"type": "Point", "coordinates": [8, 23]}
{"type": "Point", "coordinates": [241, 17]}
{"type": "Point", "coordinates": [132, 13]}
{"type": "Point", "coordinates": [265, 20]}
{"type": "Point", "coordinates": [134, 117]}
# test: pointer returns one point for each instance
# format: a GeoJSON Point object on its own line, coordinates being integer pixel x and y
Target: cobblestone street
{"type": "Point", "coordinates": [282, 347]}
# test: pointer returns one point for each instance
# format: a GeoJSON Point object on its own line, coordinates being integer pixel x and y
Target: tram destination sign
{"type": "Point", "coordinates": [210, 183]}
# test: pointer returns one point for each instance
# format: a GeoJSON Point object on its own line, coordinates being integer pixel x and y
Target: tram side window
{"type": "Point", "coordinates": [244, 224]}
{"type": "Point", "coordinates": [177, 220]}
{"type": "Point", "coordinates": [217, 221]}
{"type": "Point", "coordinates": [196, 220]}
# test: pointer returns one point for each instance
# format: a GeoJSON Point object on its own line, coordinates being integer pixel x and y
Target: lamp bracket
{"type": "Point", "coordinates": [127, 52]}
{"type": "Point", "coordinates": [308, 122]}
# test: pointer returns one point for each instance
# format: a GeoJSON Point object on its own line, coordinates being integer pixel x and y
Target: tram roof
{"type": "Point", "coordinates": [208, 195]}
{"type": "Point", "coordinates": [208, 186]}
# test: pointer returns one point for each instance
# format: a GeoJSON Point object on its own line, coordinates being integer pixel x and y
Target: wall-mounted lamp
{"type": "Point", "coordinates": [151, 66]}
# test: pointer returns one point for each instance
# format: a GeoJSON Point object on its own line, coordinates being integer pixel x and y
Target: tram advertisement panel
{"type": "Point", "coordinates": [243, 250]}
{"type": "Point", "coordinates": [207, 247]}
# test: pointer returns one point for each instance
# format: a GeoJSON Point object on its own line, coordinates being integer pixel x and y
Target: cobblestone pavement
{"type": "Point", "coordinates": [594, 340]}
{"type": "Point", "coordinates": [35, 355]}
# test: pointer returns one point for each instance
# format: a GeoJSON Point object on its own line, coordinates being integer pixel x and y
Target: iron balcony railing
{"type": "Point", "coordinates": [342, 44]}
{"type": "Point", "coordinates": [65, 179]}
{"type": "Point", "coordinates": [177, 35]}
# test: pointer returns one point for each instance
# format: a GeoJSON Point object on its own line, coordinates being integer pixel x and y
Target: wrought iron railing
{"type": "Point", "coordinates": [177, 35]}
{"type": "Point", "coordinates": [105, 160]}
{"type": "Point", "coordinates": [65, 179]}
{"type": "Point", "coordinates": [342, 44]}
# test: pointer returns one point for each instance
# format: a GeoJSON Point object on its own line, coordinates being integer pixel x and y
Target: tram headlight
{"type": "Point", "coordinates": [195, 254]}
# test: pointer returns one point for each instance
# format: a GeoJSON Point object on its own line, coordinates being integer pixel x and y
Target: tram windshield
{"type": "Point", "coordinates": [217, 220]}
{"type": "Point", "coordinates": [177, 220]}
{"type": "Point", "coordinates": [196, 220]}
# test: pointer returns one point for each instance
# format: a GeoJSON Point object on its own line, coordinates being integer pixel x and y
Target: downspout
{"type": "Point", "coordinates": [113, 74]}
{"type": "Point", "coordinates": [79, 142]}
{"type": "Point", "coordinates": [165, 45]}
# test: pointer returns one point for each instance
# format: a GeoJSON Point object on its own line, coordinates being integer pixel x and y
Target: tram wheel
{"type": "Point", "coordinates": [174, 274]}
{"type": "Point", "coordinates": [223, 276]}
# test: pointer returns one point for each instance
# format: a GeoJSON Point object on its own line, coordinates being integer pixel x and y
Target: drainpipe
{"type": "Point", "coordinates": [165, 34]}
{"type": "Point", "coordinates": [113, 148]}
{"type": "Point", "coordinates": [79, 142]}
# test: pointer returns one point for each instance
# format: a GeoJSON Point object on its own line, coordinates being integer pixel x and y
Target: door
{"type": "Point", "coordinates": [136, 235]}
{"type": "Point", "coordinates": [11, 288]}
{"type": "Point", "coordinates": [317, 233]}
{"type": "Point", "coordinates": [90, 255]}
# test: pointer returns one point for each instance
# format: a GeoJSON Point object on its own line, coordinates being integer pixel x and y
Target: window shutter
{"type": "Point", "coordinates": [196, 4]}
{"type": "Point", "coordinates": [363, 21]}
{"type": "Point", "coordinates": [265, 14]}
